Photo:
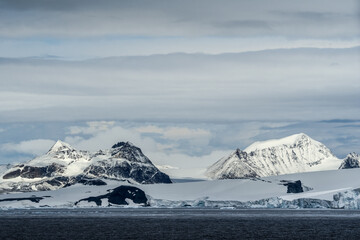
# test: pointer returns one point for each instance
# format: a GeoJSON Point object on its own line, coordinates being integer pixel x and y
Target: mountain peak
{"type": "Point", "coordinates": [353, 155]}
{"type": "Point", "coordinates": [240, 154]}
{"type": "Point", "coordinates": [58, 146]}
{"type": "Point", "coordinates": [290, 140]}
{"type": "Point", "coordinates": [300, 136]}
{"type": "Point", "coordinates": [352, 160]}
{"type": "Point", "coordinates": [122, 144]}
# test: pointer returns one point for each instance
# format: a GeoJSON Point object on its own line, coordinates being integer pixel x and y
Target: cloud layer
{"type": "Point", "coordinates": [287, 84]}
{"type": "Point", "coordinates": [311, 19]}
{"type": "Point", "coordinates": [86, 29]}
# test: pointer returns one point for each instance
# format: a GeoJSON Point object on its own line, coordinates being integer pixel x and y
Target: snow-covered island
{"type": "Point", "coordinates": [293, 172]}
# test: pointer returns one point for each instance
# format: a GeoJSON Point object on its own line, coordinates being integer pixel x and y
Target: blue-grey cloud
{"type": "Point", "coordinates": [275, 84]}
{"type": "Point", "coordinates": [246, 23]}
{"type": "Point", "coordinates": [305, 19]}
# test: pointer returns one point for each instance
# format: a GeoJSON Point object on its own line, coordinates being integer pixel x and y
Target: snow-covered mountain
{"type": "Point", "coordinates": [352, 160]}
{"type": "Point", "coordinates": [294, 154]}
{"type": "Point", "coordinates": [63, 166]}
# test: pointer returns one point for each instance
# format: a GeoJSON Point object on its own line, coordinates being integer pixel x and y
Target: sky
{"type": "Point", "coordinates": [187, 81]}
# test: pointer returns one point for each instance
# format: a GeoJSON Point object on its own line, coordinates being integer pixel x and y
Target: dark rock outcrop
{"type": "Point", "coordinates": [119, 195]}
{"type": "Point", "coordinates": [34, 172]}
{"type": "Point", "coordinates": [122, 170]}
{"type": "Point", "coordinates": [128, 151]}
{"type": "Point", "coordinates": [94, 182]}
{"type": "Point", "coordinates": [32, 199]}
{"type": "Point", "coordinates": [293, 187]}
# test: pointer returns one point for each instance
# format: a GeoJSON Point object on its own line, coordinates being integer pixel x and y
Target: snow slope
{"type": "Point", "coordinates": [296, 153]}
{"type": "Point", "coordinates": [322, 189]}
{"type": "Point", "coordinates": [4, 168]}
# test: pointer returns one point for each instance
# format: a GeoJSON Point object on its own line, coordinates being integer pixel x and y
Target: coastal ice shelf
{"type": "Point", "coordinates": [326, 189]}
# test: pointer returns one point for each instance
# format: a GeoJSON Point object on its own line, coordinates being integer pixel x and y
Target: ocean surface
{"type": "Point", "coordinates": [149, 223]}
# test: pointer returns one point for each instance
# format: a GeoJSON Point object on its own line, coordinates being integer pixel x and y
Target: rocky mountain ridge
{"type": "Point", "coordinates": [63, 166]}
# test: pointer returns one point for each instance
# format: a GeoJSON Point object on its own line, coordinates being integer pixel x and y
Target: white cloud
{"type": "Point", "coordinates": [150, 129]}
{"type": "Point", "coordinates": [183, 165]}
{"type": "Point", "coordinates": [179, 158]}
{"type": "Point", "coordinates": [168, 153]}
{"type": "Point", "coordinates": [104, 134]}
{"type": "Point", "coordinates": [195, 136]}
{"type": "Point", "coordinates": [92, 127]}
{"type": "Point", "coordinates": [105, 138]}
{"type": "Point", "coordinates": [177, 133]}
{"type": "Point", "coordinates": [34, 147]}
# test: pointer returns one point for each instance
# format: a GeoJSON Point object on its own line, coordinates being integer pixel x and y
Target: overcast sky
{"type": "Point", "coordinates": [185, 80]}
{"type": "Point", "coordinates": [90, 28]}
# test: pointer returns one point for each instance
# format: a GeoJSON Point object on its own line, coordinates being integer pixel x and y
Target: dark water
{"type": "Point", "coordinates": [178, 224]}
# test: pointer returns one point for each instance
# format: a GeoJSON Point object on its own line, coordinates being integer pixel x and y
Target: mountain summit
{"type": "Point", "coordinates": [60, 146]}
{"type": "Point", "coordinates": [292, 154]}
{"type": "Point", "coordinates": [292, 140]}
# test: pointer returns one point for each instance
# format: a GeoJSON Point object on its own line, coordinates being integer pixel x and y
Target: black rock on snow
{"type": "Point", "coordinates": [120, 196]}
{"type": "Point", "coordinates": [293, 186]}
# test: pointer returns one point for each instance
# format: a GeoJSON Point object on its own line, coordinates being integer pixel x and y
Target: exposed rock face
{"type": "Point", "coordinates": [127, 161]}
{"type": "Point", "coordinates": [294, 186]}
{"type": "Point", "coordinates": [120, 196]}
{"type": "Point", "coordinates": [123, 170]}
{"type": "Point", "coordinates": [128, 151]}
{"type": "Point", "coordinates": [352, 160]}
{"type": "Point", "coordinates": [34, 172]}
{"type": "Point", "coordinates": [32, 199]}
{"type": "Point", "coordinates": [63, 166]}
{"type": "Point", "coordinates": [293, 154]}
{"type": "Point", "coordinates": [228, 168]}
